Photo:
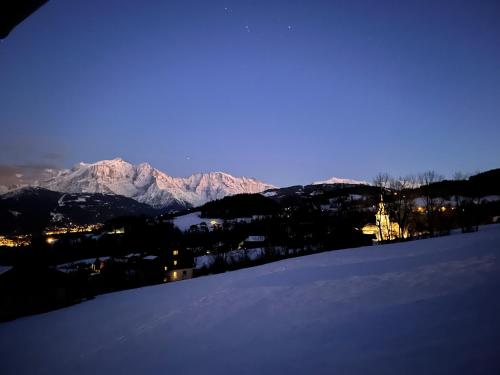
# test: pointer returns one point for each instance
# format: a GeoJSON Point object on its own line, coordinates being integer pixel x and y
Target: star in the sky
{"type": "Point", "coordinates": [289, 27]}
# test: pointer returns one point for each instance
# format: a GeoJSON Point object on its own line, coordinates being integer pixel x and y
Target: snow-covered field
{"type": "Point", "coordinates": [423, 307]}
{"type": "Point", "coordinates": [184, 222]}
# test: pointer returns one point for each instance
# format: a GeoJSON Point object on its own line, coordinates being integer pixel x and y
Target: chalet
{"type": "Point", "coordinates": [179, 266]}
{"type": "Point", "coordinates": [151, 264]}
{"type": "Point", "coordinates": [253, 242]}
{"type": "Point", "coordinates": [179, 274]}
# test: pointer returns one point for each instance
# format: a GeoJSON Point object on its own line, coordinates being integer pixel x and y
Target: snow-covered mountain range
{"type": "Point", "coordinates": [336, 180]}
{"type": "Point", "coordinates": [149, 185]}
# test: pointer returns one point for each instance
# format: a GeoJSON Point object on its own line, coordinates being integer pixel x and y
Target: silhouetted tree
{"type": "Point", "coordinates": [401, 206]}
{"type": "Point", "coordinates": [426, 180]}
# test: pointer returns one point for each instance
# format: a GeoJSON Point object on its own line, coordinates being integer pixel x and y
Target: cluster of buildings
{"type": "Point", "coordinates": [88, 228]}
{"type": "Point", "coordinates": [167, 266]}
{"type": "Point", "coordinates": [15, 241]}
{"type": "Point", "coordinates": [25, 239]}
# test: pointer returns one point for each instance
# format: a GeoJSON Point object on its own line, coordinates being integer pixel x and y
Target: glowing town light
{"type": "Point", "coordinates": [21, 240]}
{"type": "Point", "coordinates": [51, 240]}
{"type": "Point", "coordinates": [175, 252]}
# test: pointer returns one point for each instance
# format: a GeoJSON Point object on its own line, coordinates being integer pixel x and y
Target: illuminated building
{"type": "Point", "coordinates": [181, 266]}
{"type": "Point", "coordinates": [179, 274]}
{"type": "Point", "coordinates": [383, 229]}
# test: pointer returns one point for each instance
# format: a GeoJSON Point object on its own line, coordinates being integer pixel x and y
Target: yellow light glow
{"type": "Point", "coordinates": [165, 268]}
{"type": "Point", "coordinates": [21, 240]}
{"type": "Point", "coordinates": [73, 229]}
{"type": "Point", "coordinates": [384, 229]}
{"type": "Point", "coordinates": [51, 240]}
{"type": "Point", "coordinates": [175, 262]}
{"type": "Point", "coordinates": [174, 275]}
{"type": "Point", "coordinates": [175, 252]}
{"type": "Point", "coordinates": [370, 229]}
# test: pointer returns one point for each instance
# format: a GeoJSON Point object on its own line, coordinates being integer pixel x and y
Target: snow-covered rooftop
{"type": "Point", "coordinates": [255, 239]}
{"type": "Point", "coordinates": [426, 306]}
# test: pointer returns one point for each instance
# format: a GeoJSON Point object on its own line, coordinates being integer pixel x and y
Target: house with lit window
{"type": "Point", "coordinates": [179, 265]}
{"type": "Point", "coordinates": [179, 274]}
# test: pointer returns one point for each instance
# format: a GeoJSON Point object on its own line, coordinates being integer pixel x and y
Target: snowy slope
{"type": "Point", "coordinates": [148, 185]}
{"type": "Point", "coordinates": [184, 222]}
{"type": "Point", "coordinates": [422, 307]}
{"type": "Point", "coordinates": [336, 180]}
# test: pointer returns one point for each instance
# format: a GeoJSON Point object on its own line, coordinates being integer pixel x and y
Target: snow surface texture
{"type": "Point", "coordinates": [148, 185]}
{"type": "Point", "coordinates": [422, 307]}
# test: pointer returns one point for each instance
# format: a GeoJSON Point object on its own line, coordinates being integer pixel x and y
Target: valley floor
{"type": "Point", "coordinates": [429, 306]}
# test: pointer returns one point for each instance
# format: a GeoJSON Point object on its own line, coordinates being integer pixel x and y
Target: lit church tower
{"type": "Point", "coordinates": [384, 229]}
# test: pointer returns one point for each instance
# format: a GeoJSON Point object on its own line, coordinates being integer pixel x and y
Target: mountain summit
{"type": "Point", "coordinates": [336, 180]}
{"type": "Point", "coordinates": [149, 185]}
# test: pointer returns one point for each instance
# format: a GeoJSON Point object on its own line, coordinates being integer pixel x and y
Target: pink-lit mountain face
{"type": "Point", "coordinates": [149, 185]}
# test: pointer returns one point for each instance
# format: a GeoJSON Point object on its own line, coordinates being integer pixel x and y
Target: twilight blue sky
{"type": "Point", "coordinates": [286, 91]}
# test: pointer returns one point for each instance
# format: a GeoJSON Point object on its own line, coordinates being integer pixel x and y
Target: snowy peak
{"type": "Point", "coordinates": [149, 185]}
{"type": "Point", "coordinates": [336, 180]}
{"type": "Point", "coordinates": [216, 185]}
{"type": "Point", "coordinates": [108, 176]}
